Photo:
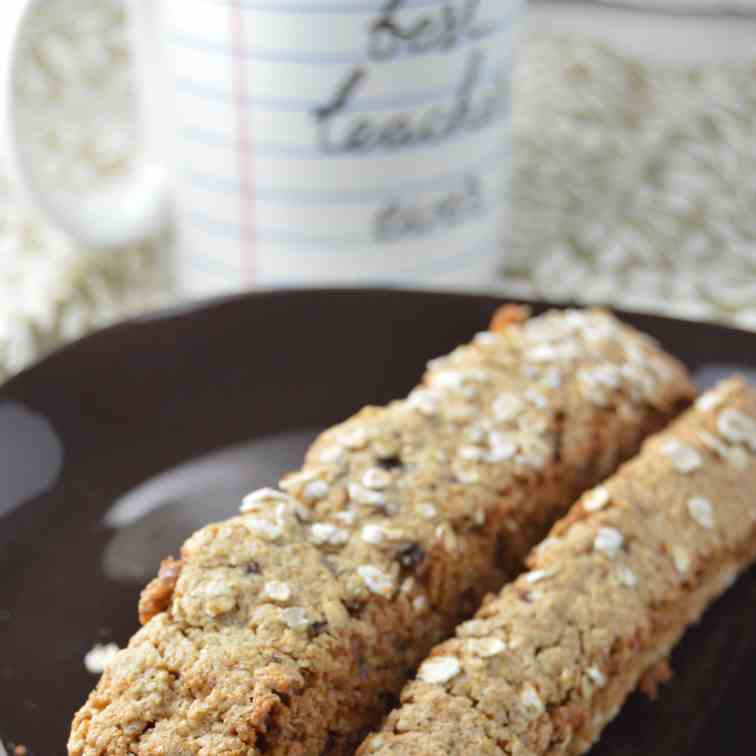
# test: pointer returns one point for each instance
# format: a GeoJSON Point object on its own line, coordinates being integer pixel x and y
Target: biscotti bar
{"type": "Point", "coordinates": [291, 628]}
{"type": "Point", "coordinates": [544, 666]}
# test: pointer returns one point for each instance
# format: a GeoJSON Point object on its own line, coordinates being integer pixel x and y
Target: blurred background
{"type": "Point", "coordinates": [633, 179]}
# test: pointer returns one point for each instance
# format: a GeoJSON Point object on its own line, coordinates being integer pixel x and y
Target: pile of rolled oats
{"type": "Point", "coordinates": [632, 185]}
{"type": "Point", "coordinates": [74, 94]}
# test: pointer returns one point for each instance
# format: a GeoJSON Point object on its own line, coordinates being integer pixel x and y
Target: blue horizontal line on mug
{"type": "Point", "coordinates": [487, 163]}
{"type": "Point", "coordinates": [301, 105]}
{"type": "Point", "coordinates": [206, 264]}
{"type": "Point", "coordinates": [322, 6]}
{"type": "Point", "coordinates": [451, 263]}
{"type": "Point", "coordinates": [455, 262]}
{"type": "Point", "coordinates": [317, 57]}
{"type": "Point", "coordinates": [231, 230]}
{"type": "Point", "coordinates": [346, 242]}
{"type": "Point", "coordinates": [211, 138]}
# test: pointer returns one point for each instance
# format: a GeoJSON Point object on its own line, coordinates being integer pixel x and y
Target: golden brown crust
{"type": "Point", "coordinates": [292, 628]}
{"type": "Point", "coordinates": [507, 316]}
{"type": "Point", "coordinates": [156, 597]}
{"type": "Point", "coordinates": [549, 661]}
{"type": "Point", "coordinates": [654, 677]}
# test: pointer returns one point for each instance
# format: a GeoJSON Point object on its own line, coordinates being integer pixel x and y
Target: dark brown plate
{"type": "Point", "coordinates": [114, 449]}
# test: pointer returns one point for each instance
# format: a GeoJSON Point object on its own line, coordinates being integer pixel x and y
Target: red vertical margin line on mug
{"type": "Point", "coordinates": [243, 144]}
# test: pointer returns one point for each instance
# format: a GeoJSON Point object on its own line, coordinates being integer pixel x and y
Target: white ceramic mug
{"type": "Point", "coordinates": [304, 141]}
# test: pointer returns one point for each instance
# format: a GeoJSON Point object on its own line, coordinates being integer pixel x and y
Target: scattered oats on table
{"type": "Point", "coordinates": [99, 656]}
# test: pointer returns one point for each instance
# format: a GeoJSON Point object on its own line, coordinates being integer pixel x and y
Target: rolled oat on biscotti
{"type": "Point", "coordinates": [544, 666]}
{"type": "Point", "coordinates": [291, 628]}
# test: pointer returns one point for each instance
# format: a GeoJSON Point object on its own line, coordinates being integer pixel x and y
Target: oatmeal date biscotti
{"type": "Point", "coordinates": [291, 628]}
{"type": "Point", "coordinates": [545, 665]}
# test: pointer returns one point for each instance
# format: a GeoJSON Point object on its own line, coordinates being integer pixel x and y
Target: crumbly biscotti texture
{"type": "Point", "coordinates": [545, 665]}
{"type": "Point", "coordinates": [291, 629]}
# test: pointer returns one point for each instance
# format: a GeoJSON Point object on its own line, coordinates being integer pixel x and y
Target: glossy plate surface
{"type": "Point", "coordinates": [116, 448]}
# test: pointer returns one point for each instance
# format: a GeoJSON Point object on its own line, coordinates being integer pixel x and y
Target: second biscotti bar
{"type": "Point", "coordinates": [544, 666]}
{"type": "Point", "coordinates": [290, 629]}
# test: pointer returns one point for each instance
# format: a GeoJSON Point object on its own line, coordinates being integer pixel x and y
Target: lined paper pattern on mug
{"type": "Point", "coordinates": [357, 141]}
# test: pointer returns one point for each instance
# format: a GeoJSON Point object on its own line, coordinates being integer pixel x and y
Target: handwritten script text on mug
{"type": "Point", "coordinates": [441, 29]}
{"type": "Point", "coordinates": [473, 106]}
{"type": "Point", "coordinates": [480, 99]}
{"type": "Point", "coordinates": [404, 217]}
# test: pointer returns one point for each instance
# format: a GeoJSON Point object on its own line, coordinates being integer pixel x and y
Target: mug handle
{"type": "Point", "coordinates": [127, 209]}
